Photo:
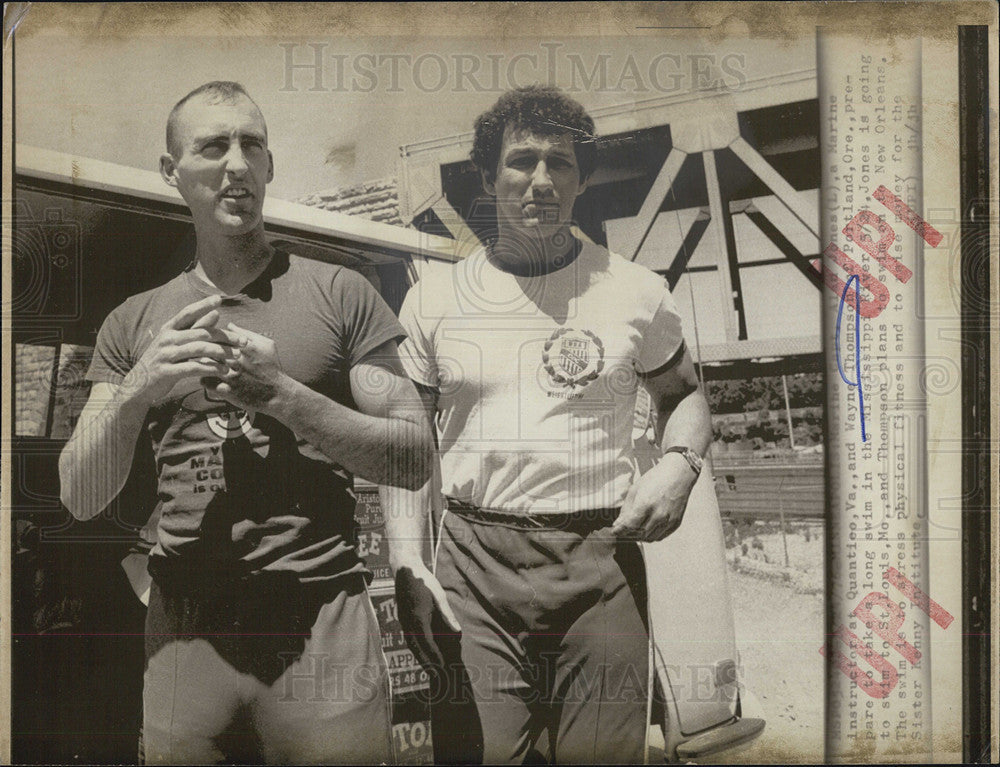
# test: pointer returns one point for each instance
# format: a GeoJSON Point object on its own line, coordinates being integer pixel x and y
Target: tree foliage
{"type": "Point", "coordinates": [749, 395]}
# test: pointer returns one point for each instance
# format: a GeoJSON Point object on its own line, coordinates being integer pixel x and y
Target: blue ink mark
{"type": "Point", "coordinates": [857, 346]}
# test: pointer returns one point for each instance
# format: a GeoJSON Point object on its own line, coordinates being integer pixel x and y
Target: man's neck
{"type": "Point", "coordinates": [535, 257]}
{"type": "Point", "coordinates": [232, 263]}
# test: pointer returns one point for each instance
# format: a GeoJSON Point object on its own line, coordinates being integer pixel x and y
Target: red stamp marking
{"type": "Point", "coordinates": [938, 614]}
{"type": "Point", "coordinates": [879, 292]}
{"type": "Point", "coordinates": [887, 630]}
{"type": "Point", "coordinates": [855, 231]}
{"type": "Point", "coordinates": [909, 217]}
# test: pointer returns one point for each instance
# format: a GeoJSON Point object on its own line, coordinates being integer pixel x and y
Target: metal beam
{"type": "Point", "coordinates": [680, 261]}
{"type": "Point", "coordinates": [637, 228]}
{"type": "Point", "coordinates": [800, 207]}
{"type": "Point", "coordinates": [782, 243]}
{"type": "Point", "coordinates": [455, 225]}
{"type": "Point", "coordinates": [722, 226]}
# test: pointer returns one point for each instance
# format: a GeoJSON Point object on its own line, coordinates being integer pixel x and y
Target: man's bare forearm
{"type": "Point", "coordinates": [387, 450]}
{"type": "Point", "coordinates": [97, 460]}
{"type": "Point", "coordinates": [408, 512]}
{"type": "Point", "coordinates": [407, 517]}
{"type": "Point", "coordinates": [687, 422]}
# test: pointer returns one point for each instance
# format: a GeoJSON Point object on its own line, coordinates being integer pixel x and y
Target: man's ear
{"type": "Point", "coordinates": [168, 168]}
{"type": "Point", "coordinates": [270, 167]}
{"type": "Point", "coordinates": [488, 183]}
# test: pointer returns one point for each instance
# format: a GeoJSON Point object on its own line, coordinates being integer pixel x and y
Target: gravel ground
{"type": "Point", "coordinates": [779, 630]}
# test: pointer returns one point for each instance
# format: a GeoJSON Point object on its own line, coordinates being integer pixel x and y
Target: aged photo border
{"type": "Point", "coordinates": [978, 434]}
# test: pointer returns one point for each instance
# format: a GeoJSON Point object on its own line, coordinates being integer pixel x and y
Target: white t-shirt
{"type": "Point", "coordinates": [538, 376]}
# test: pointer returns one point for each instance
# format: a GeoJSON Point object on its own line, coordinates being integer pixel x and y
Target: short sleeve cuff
{"type": "Point", "coordinates": [672, 361]}
{"type": "Point", "coordinates": [374, 341]}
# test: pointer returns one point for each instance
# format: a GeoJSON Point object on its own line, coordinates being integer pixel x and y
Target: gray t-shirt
{"type": "Point", "coordinates": [239, 493]}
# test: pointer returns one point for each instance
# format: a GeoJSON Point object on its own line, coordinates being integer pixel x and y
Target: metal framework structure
{"type": "Point", "coordinates": [724, 204]}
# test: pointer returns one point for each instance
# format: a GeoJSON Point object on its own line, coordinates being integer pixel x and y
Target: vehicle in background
{"type": "Point", "coordinates": [88, 234]}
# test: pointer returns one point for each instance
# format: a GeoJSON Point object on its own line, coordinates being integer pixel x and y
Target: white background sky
{"type": "Point", "coordinates": [84, 91]}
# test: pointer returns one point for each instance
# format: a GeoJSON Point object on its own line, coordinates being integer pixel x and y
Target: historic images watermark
{"type": "Point", "coordinates": [318, 67]}
{"type": "Point", "coordinates": [46, 252]}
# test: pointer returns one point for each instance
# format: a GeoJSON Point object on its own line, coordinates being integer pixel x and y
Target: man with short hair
{"type": "Point", "coordinates": [252, 373]}
{"type": "Point", "coordinates": [532, 350]}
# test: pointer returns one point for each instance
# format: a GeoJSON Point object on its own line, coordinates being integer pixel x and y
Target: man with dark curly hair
{"type": "Point", "coordinates": [539, 109]}
{"type": "Point", "coordinates": [532, 351]}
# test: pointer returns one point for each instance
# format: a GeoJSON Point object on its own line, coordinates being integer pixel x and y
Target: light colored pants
{"type": "Point", "coordinates": [297, 676]}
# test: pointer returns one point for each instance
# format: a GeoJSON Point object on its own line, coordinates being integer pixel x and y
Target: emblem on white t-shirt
{"type": "Point", "coordinates": [573, 358]}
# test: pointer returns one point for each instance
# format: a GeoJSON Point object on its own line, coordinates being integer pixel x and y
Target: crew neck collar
{"type": "Point", "coordinates": [259, 287]}
{"type": "Point", "coordinates": [571, 257]}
